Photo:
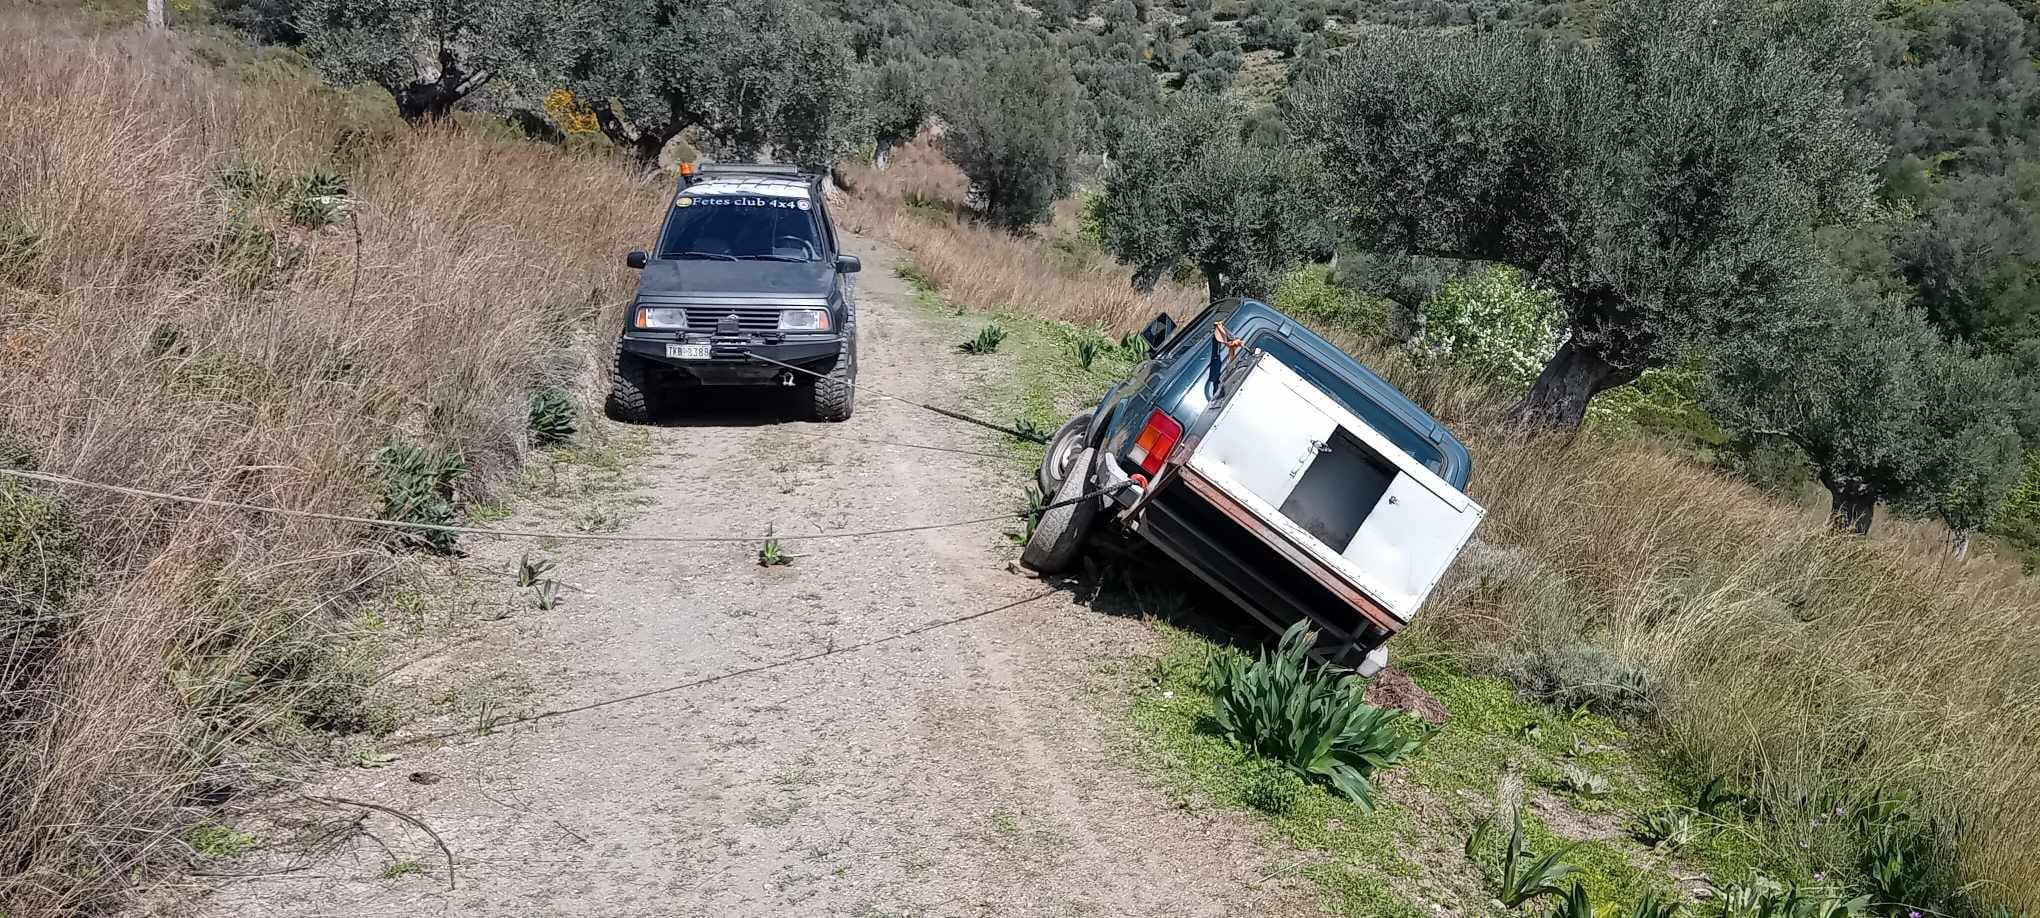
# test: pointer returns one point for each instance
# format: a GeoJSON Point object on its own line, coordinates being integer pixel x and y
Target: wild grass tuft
{"type": "Point", "coordinates": [985, 341]}
{"type": "Point", "coordinates": [1304, 716]}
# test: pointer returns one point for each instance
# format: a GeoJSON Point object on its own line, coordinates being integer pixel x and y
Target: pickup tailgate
{"type": "Point", "coordinates": [1334, 492]}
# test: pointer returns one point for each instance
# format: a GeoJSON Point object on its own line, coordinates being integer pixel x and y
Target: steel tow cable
{"type": "Point", "coordinates": [945, 412]}
{"type": "Point", "coordinates": [66, 481]}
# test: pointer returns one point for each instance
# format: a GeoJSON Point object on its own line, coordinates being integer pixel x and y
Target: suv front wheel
{"type": "Point", "coordinates": [834, 395]}
{"type": "Point", "coordinates": [630, 387]}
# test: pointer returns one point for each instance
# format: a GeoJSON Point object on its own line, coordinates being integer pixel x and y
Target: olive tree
{"type": "Point", "coordinates": [1010, 124]}
{"type": "Point", "coordinates": [1661, 182]}
{"type": "Point", "coordinates": [1883, 406]}
{"type": "Point", "coordinates": [768, 77]}
{"type": "Point", "coordinates": [1189, 186]}
{"type": "Point", "coordinates": [431, 54]}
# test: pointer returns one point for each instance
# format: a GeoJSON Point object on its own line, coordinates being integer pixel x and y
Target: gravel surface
{"type": "Point", "coordinates": [979, 768]}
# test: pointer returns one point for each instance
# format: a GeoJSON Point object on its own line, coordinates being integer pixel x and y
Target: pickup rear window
{"type": "Point", "coordinates": [1381, 419]}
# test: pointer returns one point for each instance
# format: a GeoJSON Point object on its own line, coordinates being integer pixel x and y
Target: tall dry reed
{"type": "Point", "coordinates": [158, 329]}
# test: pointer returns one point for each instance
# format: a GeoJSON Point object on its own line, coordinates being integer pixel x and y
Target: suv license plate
{"type": "Point", "coordinates": [687, 351]}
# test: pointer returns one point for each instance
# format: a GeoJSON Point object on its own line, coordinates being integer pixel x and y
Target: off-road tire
{"type": "Point", "coordinates": [630, 387]}
{"type": "Point", "coordinates": [1060, 533]}
{"type": "Point", "coordinates": [1062, 449]}
{"type": "Point", "coordinates": [833, 396]}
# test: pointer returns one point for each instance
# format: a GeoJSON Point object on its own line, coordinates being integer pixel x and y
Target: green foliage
{"type": "Point", "coordinates": [1522, 877]}
{"type": "Point", "coordinates": [1133, 347]}
{"type": "Point", "coordinates": [1499, 321]}
{"type": "Point", "coordinates": [1764, 897]}
{"type": "Point", "coordinates": [213, 841]}
{"type": "Point", "coordinates": [42, 565]}
{"type": "Point", "coordinates": [1311, 295]}
{"type": "Point", "coordinates": [1575, 903]}
{"type": "Point", "coordinates": [1009, 124]}
{"type": "Point", "coordinates": [531, 570]}
{"type": "Point", "coordinates": [771, 77]}
{"type": "Point", "coordinates": [1300, 714]}
{"type": "Point", "coordinates": [419, 487]}
{"type": "Point", "coordinates": [1087, 348]}
{"type": "Point", "coordinates": [317, 198]}
{"type": "Point", "coordinates": [985, 341]}
{"type": "Point", "coordinates": [1026, 431]}
{"type": "Point", "coordinates": [397, 870]}
{"type": "Point", "coordinates": [1271, 788]}
{"type": "Point", "coordinates": [546, 594]}
{"type": "Point", "coordinates": [1570, 674]}
{"type": "Point", "coordinates": [1574, 779]}
{"type": "Point", "coordinates": [771, 554]}
{"type": "Point", "coordinates": [1663, 405]}
{"type": "Point", "coordinates": [1188, 187]}
{"type": "Point", "coordinates": [1655, 222]}
{"type": "Point", "coordinates": [552, 416]}
{"type": "Point", "coordinates": [1881, 405]}
{"type": "Point", "coordinates": [2017, 519]}
{"type": "Point", "coordinates": [1668, 828]}
{"type": "Point", "coordinates": [1653, 906]}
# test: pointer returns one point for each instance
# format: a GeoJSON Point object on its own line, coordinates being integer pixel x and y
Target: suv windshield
{"type": "Point", "coordinates": [741, 227]}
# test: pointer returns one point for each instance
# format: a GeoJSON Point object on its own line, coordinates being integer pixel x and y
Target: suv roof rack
{"type": "Point", "coordinates": [771, 169]}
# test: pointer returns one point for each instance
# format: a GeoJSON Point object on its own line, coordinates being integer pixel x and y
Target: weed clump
{"type": "Point", "coordinates": [418, 487]}
{"type": "Point", "coordinates": [1305, 717]}
{"type": "Point", "coordinates": [552, 416]}
{"type": "Point", "coordinates": [986, 341]}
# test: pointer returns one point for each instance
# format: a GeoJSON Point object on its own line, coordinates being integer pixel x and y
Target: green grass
{"type": "Point", "coordinates": [1407, 857]}
{"type": "Point", "coordinates": [400, 869]}
{"type": "Point", "coordinates": [214, 841]}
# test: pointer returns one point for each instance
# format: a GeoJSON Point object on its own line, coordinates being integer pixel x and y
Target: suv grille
{"type": "Point", "coordinates": [749, 318]}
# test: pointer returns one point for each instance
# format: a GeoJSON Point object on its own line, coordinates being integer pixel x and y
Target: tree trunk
{"type": "Point", "coordinates": [1958, 544]}
{"type": "Point", "coordinates": [1559, 397]}
{"type": "Point", "coordinates": [1214, 283]}
{"type": "Point", "coordinates": [155, 15]}
{"type": "Point", "coordinates": [1147, 276]}
{"type": "Point", "coordinates": [1854, 503]}
{"type": "Point", "coordinates": [644, 146]}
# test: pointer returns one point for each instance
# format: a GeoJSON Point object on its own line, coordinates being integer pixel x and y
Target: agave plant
{"type": "Point", "coordinates": [1580, 781]}
{"type": "Point", "coordinates": [1087, 350]}
{"type": "Point", "coordinates": [552, 416]}
{"type": "Point", "coordinates": [1306, 717]}
{"type": "Point", "coordinates": [1524, 879]}
{"type": "Point", "coordinates": [986, 341]}
{"type": "Point", "coordinates": [1575, 903]}
{"type": "Point", "coordinates": [1667, 829]}
{"type": "Point", "coordinates": [1651, 906]}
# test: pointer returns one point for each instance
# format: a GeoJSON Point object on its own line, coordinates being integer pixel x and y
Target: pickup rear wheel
{"type": "Point", "coordinates": [629, 388]}
{"type": "Point", "coordinates": [1062, 451]}
{"type": "Point", "coordinates": [1060, 532]}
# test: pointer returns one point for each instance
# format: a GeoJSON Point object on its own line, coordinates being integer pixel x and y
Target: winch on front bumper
{"type": "Point", "coordinates": [717, 345]}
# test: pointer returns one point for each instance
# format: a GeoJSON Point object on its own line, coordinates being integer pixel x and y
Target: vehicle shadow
{"type": "Point", "coordinates": [730, 406]}
{"type": "Point", "coordinates": [1129, 580]}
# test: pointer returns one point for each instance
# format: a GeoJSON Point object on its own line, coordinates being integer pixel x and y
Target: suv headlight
{"type": "Point", "coordinates": [804, 320]}
{"type": "Point", "coordinates": [661, 317]}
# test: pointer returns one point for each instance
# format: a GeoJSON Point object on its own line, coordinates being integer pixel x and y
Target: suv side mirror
{"type": "Point", "coordinates": [848, 264]}
{"type": "Point", "coordinates": [1158, 331]}
{"type": "Point", "coordinates": [635, 260]}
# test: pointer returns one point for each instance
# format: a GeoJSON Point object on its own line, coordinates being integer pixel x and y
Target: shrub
{"type": "Point", "coordinates": [552, 416]}
{"type": "Point", "coordinates": [1574, 676]}
{"type": "Point", "coordinates": [418, 487]}
{"type": "Point", "coordinates": [1310, 294]}
{"type": "Point", "coordinates": [986, 341]}
{"type": "Point", "coordinates": [1499, 321]}
{"type": "Point", "coordinates": [1300, 714]}
{"type": "Point", "coordinates": [1270, 788]}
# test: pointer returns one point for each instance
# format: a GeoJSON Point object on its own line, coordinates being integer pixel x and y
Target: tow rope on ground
{"type": "Point", "coordinates": [69, 482]}
{"type": "Point", "coordinates": [945, 412]}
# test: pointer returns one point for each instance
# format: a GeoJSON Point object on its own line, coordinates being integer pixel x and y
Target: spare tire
{"type": "Point", "coordinates": [1060, 532]}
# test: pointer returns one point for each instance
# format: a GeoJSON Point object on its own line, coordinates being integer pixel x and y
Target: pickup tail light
{"type": "Point", "coordinates": [1156, 439]}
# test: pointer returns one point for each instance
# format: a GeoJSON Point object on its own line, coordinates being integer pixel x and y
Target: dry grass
{"type": "Point", "coordinates": [159, 331]}
{"type": "Point", "coordinates": [1816, 670]}
{"type": "Point", "coordinates": [913, 203]}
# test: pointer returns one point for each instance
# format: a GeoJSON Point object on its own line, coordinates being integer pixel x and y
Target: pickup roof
{"type": "Point", "coordinates": [1279, 470]}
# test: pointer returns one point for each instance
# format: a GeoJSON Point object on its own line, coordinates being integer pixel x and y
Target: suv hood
{"type": "Point", "coordinates": [753, 278]}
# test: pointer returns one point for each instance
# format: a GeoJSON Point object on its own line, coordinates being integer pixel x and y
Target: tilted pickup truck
{"type": "Point", "coordinates": [1276, 468]}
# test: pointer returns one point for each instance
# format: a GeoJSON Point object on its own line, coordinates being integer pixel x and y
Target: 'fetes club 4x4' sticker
{"type": "Point", "coordinates": [739, 201]}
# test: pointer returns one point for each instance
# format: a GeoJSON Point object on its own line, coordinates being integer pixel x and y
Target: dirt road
{"type": "Point", "coordinates": [976, 769]}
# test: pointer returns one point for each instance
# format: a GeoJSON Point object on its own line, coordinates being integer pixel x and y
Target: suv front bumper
{"type": "Point", "coordinates": [729, 362]}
